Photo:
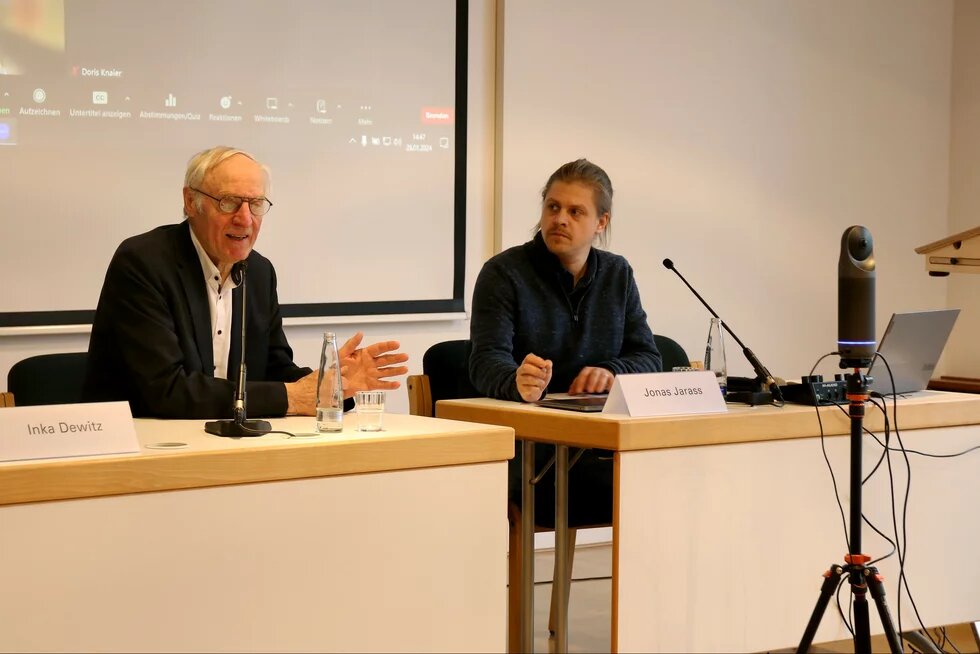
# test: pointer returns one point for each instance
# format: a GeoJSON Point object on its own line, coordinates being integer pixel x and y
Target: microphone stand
{"type": "Point", "coordinates": [239, 426]}
{"type": "Point", "coordinates": [763, 378]}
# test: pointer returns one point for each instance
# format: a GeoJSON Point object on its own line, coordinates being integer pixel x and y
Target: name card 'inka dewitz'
{"type": "Point", "coordinates": [62, 430]}
{"type": "Point", "coordinates": [649, 394]}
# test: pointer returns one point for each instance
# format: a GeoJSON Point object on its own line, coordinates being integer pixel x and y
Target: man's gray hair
{"type": "Point", "coordinates": [205, 161]}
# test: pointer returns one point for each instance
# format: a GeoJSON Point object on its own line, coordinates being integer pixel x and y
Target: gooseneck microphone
{"type": "Point", "coordinates": [763, 377]}
{"type": "Point", "coordinates": [240, 425]}
{"type": "Point", "coordinates": [856, 298]}
{"type": "Point", "coordinates": [238, 276]}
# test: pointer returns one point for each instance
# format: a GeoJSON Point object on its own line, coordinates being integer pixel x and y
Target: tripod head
{"type": "Point", "coordinates": [857, 385]}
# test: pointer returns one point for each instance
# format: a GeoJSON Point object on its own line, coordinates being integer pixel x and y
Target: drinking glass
{"type": "Point", "coordinates": [370, 408]}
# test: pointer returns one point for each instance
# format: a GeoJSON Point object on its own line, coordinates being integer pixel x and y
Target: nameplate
{"type": "Point", "coordinates": [60, 430]}
{"type": "Point", "coordinates": [665, 394]}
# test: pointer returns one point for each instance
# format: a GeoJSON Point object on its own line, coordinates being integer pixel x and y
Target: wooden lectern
{"type": "Point", "coordinates": [956, 253]}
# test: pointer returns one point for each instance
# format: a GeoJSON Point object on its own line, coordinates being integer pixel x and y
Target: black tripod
{"type": "Point", "coordinates": [861, 577]}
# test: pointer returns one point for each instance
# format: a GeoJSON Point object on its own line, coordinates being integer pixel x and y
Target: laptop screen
{"type": "Point", "coordinates": [912, 344]}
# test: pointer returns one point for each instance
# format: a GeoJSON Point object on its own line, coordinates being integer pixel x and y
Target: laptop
{"type": "Point", "coordinates": [912, 344]}
{"type": "Point", "coordinates": [585, 403]}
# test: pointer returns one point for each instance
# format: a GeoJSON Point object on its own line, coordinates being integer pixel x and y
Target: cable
{"type": "Point", "coordinates": [262, 432]}
{"type": "Point", "coordinates": [932, 456]}
{"type": "Point", "coordinates": [823, 448]}
{"type": "Point", "coordinates": [947, 639]}
{"type": "Point", "coordinates": [891, 482]}
{"type": "Point", "coordinates": [885, 456]}
{"type": "Point", "coordinates": [925, 454]}
{"type": "Point", "coordinates": [864, 518]}
{"type": "Point", "coordinates": [900, 541]}
{"type": "Point", "coordinates": [903, 542]}
{"type": "Point", "coordinates": [840, 609]}
{"type": "Point", "coordinates": [886, 453]}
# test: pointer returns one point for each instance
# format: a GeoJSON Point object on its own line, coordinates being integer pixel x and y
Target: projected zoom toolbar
{"type": "Point", "coordinates": [356, 124]}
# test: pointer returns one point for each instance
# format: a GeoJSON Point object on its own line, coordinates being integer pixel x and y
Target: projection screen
{"type": "Point", "coordinates": [357, 106]}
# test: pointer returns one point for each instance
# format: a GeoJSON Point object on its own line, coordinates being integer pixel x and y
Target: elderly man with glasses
{"type": "Point", "coordinates": [166, 326]}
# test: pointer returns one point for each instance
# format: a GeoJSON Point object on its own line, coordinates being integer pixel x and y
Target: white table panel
{"type": "Point", "coordinates": [410, 560]}
{"type": "Point", "coordinates": [722, 547]}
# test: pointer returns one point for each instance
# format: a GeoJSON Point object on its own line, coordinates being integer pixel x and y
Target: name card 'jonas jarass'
{"type": "Point", "coordinates": [678, 391]}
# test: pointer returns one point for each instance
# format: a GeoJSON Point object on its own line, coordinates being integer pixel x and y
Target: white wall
{"type": "Point", "coordinates": [742, 138]}
{"type": "Point", "coordinates": [963, 351]}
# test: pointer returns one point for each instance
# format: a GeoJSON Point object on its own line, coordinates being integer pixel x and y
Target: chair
{"type": "Point", "coordinates": [48, 379]}
{"type": "Point", "coordinates": [445, 368]}
{"type": "Point", "coordinates": [672, 353]}
{"type": "Point", "coordinates": [446, 376]}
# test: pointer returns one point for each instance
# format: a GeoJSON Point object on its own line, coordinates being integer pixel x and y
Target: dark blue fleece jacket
{"type": "Point", "coordinates": [524, 302]}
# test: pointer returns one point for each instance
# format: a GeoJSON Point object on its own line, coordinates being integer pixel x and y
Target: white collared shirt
{"type": "Point", "coordinates": [219, 301]}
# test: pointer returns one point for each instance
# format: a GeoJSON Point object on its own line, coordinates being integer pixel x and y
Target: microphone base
{"type": "Point", "coordinates": [747, 390]}
{"type": "Point", "coordinates": [752, 398]}
{"type": "Point", "coordinates": [232, 429]}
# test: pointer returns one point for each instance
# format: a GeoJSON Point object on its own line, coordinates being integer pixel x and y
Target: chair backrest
{"type": "Point", "coordinates": [6, 399]}
{"type": "Point", "coordinates": [48, 379]}
{"type": "Point", "coordinates": [446, 376]}
{"type": "Point", "coordinates": [419, 396]}
{"type": "Point", "coordinates": [671, 352]}
{"type": "Point", "coordinates": [447, 365]}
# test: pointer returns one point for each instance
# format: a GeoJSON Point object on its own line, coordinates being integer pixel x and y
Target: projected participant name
{"type": "Point", "coordinates": [97, 72]}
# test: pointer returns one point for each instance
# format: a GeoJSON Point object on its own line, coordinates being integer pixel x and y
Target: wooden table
{"type": "Point", "coordinates": [724, 523]}
{"type": "Point", "coordinates": [956, 384]}
{"type": "Point", "coordinates": [391, 541]}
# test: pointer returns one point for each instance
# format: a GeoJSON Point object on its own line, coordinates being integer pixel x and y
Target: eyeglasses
{"type": "Point", "coordinates": [231, 203]}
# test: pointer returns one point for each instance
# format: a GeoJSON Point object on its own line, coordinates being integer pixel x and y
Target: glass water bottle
{"type": "Point", "coordinates": [714, 354]}
{"type": "Point", "coordinates": [329, 388]}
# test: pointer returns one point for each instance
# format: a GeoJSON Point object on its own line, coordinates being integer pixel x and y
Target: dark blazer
{"type": "Point", "coordinates": [151, 339]}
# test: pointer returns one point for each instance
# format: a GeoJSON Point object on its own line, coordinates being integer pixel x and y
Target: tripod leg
{"type": "Point", "coordinates": [878, 594]}
{"type": "Point", "coordinates": [830, 583]}
{"type": "Point", "coordinates": [862, 625]}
